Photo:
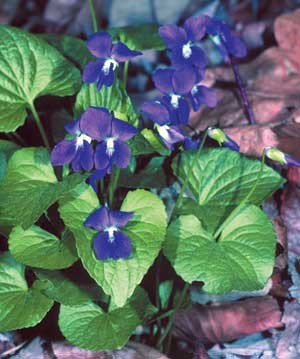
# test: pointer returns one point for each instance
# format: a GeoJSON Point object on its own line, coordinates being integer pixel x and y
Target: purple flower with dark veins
{"type": "Point", "coordinates": [109, 56]}
{"type": "Point", "coordinates": [223, 37]}
{"type": "Point", "coordinates": [77, 151]}
{"type": "Point", "coordinates": [99, 124]}
{"type": "Point", "coordinates": [182, 41]}
{"type": "Point", "coordinates": [110, 242]}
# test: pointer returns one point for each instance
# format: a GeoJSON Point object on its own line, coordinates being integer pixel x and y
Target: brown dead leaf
{"type": "Point", "coordinates": [227, 321]}
{"type": "Point", "coordinates": [290, 213]}
{"type": "Point", "coordinates": [132, 350]}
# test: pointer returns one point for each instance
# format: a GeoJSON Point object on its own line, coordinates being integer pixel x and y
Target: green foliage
{"type": "Point", "coordinates": [118, 278]}
{"type": "Point", "coordinates": [152, 176]}
{"type": "Point", "coordinates": [30, 187]}
{"type": "Point", "coordinates": [30, 68]}
{"type": "Point", "coordinates": [61, 289]}
{"type": "Point", "coordinates": [89, 327]}
{"type": "Point", "coordinates": [36, 247]}
{"type": "Point", "coordinates": [114, 98]}
{"type": "Point", "coordinates": [140, 37]}
{"type": "Point", "coordinates": [155, 142]}
{"type": "Point", "coordinates": [241, 259]}
{"type": "Point", "coordinates": [165, 291]}
{"type": "Point", "coordinates": [219, 181]}
{"type": "Point", "coordinates": [20, 306]}
{"type": "Point", "coordinates": [8, 148]}
{"type": "Point", "coordinates": [71, 47]}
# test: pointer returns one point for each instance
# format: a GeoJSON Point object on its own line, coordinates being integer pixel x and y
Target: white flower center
{"type": "Point", "coordinates": [163, 131]}
{"type": "Point", "coordinates": [111, 231]}
{"type": "Point", "coordinates": [216, 39]}
{"type": "Point", "coordinates": [110, 146]}
{"type": "Point", "coordinates": [174, 100]}
{"type": "Point", "coordinates": [107, 64]}
{"type": "Point", "coordinates": [194, 90]}
{"type": "Point", "coordinates": [187, 50]}
{"type": "Point", "coordinates": [81, 138]}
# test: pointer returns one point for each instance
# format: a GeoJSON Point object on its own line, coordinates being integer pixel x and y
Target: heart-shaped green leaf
{"type": "Point", "coordinates": [89, 327]}
{"type": "Point", "coordinates": [220, 180]}
{"type": "Point", "coordinates": [30, 68]}
{"type": "Point", "coordinates": [30, 187]}
{"type": "Point", "coordinates": [20, 306]}
{"type": "Point", "coordinates": [242, 259]}
{"type": "Point", "coordinates": [118, 278]}
{"type": "Point", "coordinates": [38, 248]}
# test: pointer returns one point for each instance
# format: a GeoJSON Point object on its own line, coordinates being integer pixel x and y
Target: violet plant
{"type": "Point", "coordinates": [90, 205]}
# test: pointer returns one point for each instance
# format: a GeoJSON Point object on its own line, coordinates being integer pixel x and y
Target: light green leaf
{"type": "Point", "coordinates": [114, 98]}
{"type": "Point", "coordinates": [30, 68]}
{"type": "Point", "coordinates": [38, 248]}
{"type": "Point", "coordinates": [118, 278]}
{"type": "Point", "coordinates": [155, 142]}
{"type": "Point", "coordinates": [89, 327]}
{"type": "Point", "coordinates": [30, 187]}
{"type": "Point", "coordinates": [220, 180]}
{"type": "Point", "coordinates": [139, 37]}
{"type": "Point", "coordinates": [242, 259]}
{"type": "Point", "coordinates": [20, 306]}
{"type": "Point", "coordinates": [72, 48]}
{"type": "Point", "coordinates": [63, 290]}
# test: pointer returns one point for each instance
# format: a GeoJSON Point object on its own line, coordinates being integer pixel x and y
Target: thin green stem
{"type": "Point", "coordinates": [192, 164]}
{"type": "Point", "coordinates": [125, 73]}
{"type": "Point", "coordinates": [113, 185]}
{"type": "Point", "coordinates": [244, 201]}
{"type": "Point", "coordinates": [40, 126]}
{"type": "Point", "coordinates": [93, 15]}
{"type": "Point", "coordinates": [172, 318]}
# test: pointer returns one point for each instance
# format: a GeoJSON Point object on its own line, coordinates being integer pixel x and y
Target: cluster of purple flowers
{"type": "Point", "coordinates": [180, 84]}
{"type": "Point", "coordinates": [98, 139]}
{"type": "Point", "coordinates": [98, 143]}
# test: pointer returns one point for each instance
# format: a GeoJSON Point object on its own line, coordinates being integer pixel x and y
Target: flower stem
{"type": "Point", "coordinates": [125, 74]}
{"type": "Point", "coordinates": [192, 164]}
{"type": "Point", "coordinates": [93, 15]}
{"type": "Point", "coordinates": [238, 208]}
{"type": "Point", "coordinates": [113, 185]}
{"type": "Point", "coordinates": [172, 317]}
{"type": "Point", "coordinates": [39, 125]}
{"type": "Point", "coordinates": [243, 92]}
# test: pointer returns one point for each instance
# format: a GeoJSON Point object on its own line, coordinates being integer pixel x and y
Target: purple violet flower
{"type": "Point", "coordinates": [159, 113]}
{"type": "Point", "coordinates": [175, 84]}
{"type": "Point", "coordinates": [170, 135]}
{"type": "Point", "coordinates": [182, 41]}
{"type": "Point", "coordinates": [77, 151]}
{"type": "Point", "coordinates": [109, 55]}
{"type": "Point", "coordinates": [223, 37]}
{"type": "Point", "coordinates": [100, 125]}
{"type": "Point", "coordinates": [202, 95]}
{"type": "Point", "coordinates": [110, 242]}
